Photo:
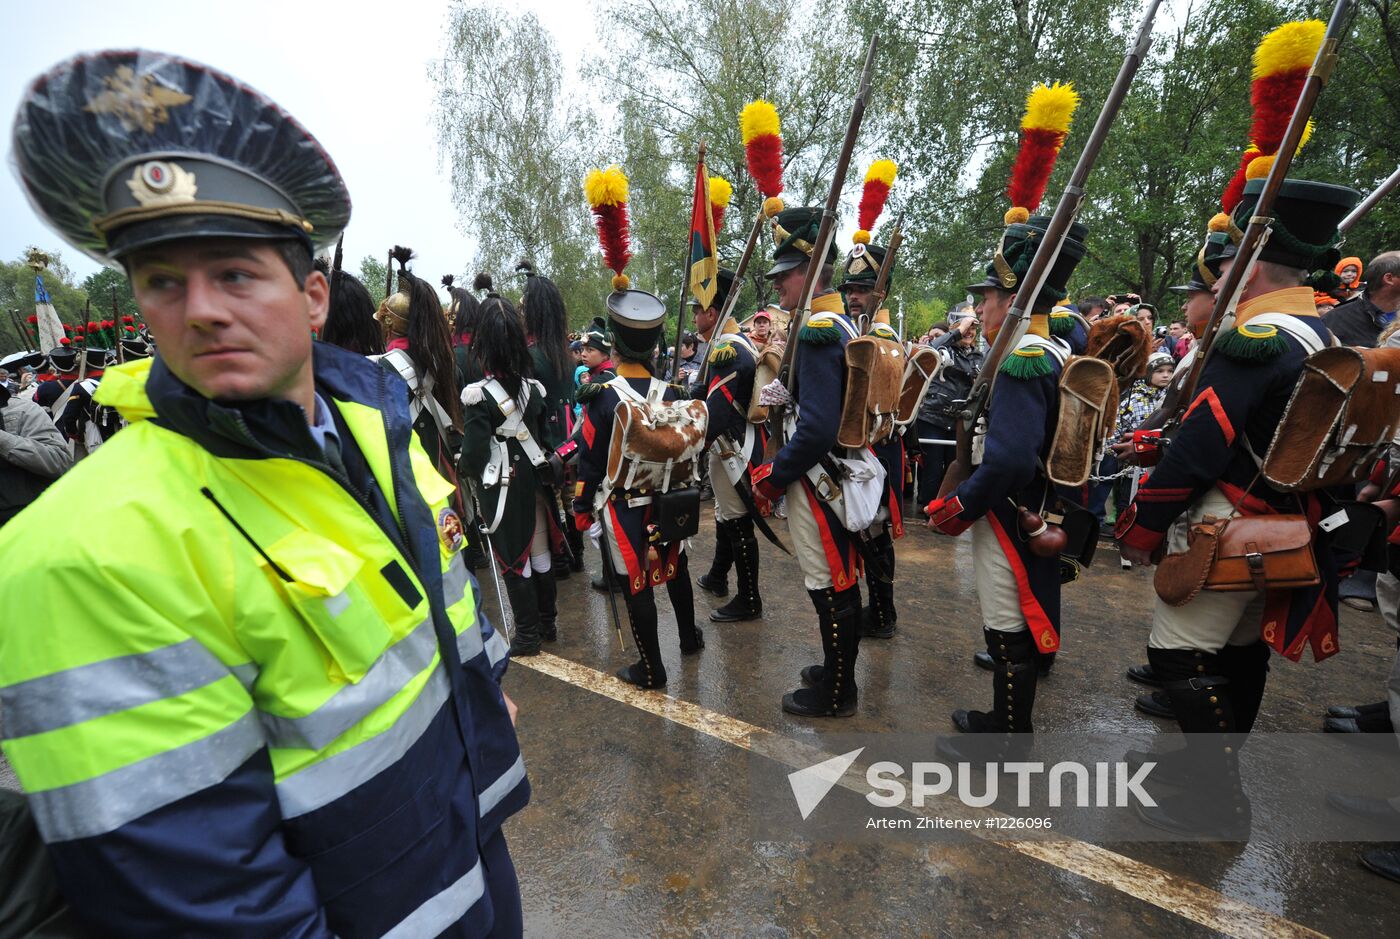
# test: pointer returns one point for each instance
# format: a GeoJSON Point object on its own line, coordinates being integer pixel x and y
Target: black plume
{"type": "Point", "coordinates": [402, 255]}
{"type": "Point", "coordinates": [482, 282]}
{"type": "Point", "coordinates": [323, 265]}
{"type": "Point", "coordinates": [447, 280]}
{"type": "Point", "coordinates": [525, 267]}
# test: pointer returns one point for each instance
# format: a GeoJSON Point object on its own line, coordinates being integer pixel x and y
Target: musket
{"type": "Point", "coordinates": [882, 279]}
{"type": "Point", "coordinates": [1231, 285]}
{"type": "Point", "coordinates": [82, 353]}
{"type": "Point", "coordinates": [685, 275]}
{"type": "Point", "coordinates": [117, 327]}
{"type": "Point", "coordinates": [21, 330]}
{"type": "Point", "coordinates": [610, 576]}
{"type": "Point", "coordinates": [1046, 254]}
{"type": "Point", "coordinates": [826, 231]}
{"type": "Point", "coordinates": [1369, 203]}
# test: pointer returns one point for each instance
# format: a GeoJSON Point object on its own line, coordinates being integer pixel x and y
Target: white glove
{"type": "Point", "coordinates": [774, 394]}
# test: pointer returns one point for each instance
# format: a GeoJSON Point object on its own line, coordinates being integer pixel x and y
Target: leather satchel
{"type": "Point", "coordinates": [874, 382]}
{"type": "Point", "coordinates": [1260, 552]}
{"type": "Point", "coordinates": [678, 514]}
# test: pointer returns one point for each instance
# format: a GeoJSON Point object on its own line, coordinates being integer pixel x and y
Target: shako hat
{"type": "Point", "coordinates": [1206, 267]}
{"type": "Point", "coordinates": [794, 238]}
{"type": "Point", "coordinates": [1303, 233]}
{"type": "Point", "coordinates": [125, 149]}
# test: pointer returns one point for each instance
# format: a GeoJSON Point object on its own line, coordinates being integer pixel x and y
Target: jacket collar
{"type": "Point", "coordinates": [1295, 301]}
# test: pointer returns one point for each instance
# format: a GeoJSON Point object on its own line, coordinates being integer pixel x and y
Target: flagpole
{"type": "Point", "coordinates": [685, 270]}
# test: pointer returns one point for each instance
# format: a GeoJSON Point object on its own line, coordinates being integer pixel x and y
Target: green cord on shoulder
{"type": "Point", "coordinates": [820, 331]}
{"type": "Point", "coordinates": [1026, 364]}
{"type": "Point", "coordinates": [1252, 343]}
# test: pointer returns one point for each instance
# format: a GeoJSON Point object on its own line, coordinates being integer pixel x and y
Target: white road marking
{"type": "Point", "coordinates": [1169, 892]}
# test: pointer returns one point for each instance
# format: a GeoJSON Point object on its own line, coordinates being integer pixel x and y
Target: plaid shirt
{"type": "Point", "coordinates": [1140, 401]}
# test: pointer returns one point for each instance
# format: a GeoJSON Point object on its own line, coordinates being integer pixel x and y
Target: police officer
{"type": "Point", "coordinates": [857, 289]}
{"type": "Point", "coordinates": [735, 447]}
{"type": "Point", "coordinates": [263, 702]}
{"type": "Point", "coordinates": [1212, 654]}
{"type": "Point", "coordinates": [828, 554]}
{"type": "Point", "coordinates": [1018, 589]}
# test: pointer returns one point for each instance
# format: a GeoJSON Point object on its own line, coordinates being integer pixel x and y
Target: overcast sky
{"type": "Point", "coordinates": [355, 74]}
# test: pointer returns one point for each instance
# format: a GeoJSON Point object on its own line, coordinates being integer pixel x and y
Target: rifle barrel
{"type": "Point", "coordinates": [1369, 203]}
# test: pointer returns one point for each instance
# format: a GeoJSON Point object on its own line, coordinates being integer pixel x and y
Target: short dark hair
{"type": "Point", "coordinates": [1088, 303]}
{"type": "Point", "coordinates": [941, 324]}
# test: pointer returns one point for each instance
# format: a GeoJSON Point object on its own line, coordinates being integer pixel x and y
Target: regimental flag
{"type": "Point", "coordinates": [49, 326]}
{"type": "Point", "coordinates": [704, 265]}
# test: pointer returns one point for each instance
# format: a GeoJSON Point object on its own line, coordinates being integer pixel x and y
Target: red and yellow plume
{"type": "Point", "coordinates": [1281, 64]}
{"type": "Point", "coordinates": [720, 194]}
{"type": "Point", "coordinates": [607, 196]}
{"type": "Point", "coordinates": [1049, 109]}
{"type": "Point", "coordinates": [763, 151]}
{"type": "Point", "coordinates": [878, 180]}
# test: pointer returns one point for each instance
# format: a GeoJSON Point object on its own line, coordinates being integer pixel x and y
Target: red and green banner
{"type": "Point", "coordinates": [704, 265]}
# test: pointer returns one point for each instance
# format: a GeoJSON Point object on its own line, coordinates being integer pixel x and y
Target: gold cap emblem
{"type": "Point", "coordinates": [157, 183]}
{"type": "Point", "coordinates": [137, 101]}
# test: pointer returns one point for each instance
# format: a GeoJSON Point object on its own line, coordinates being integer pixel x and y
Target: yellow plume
{"type": "Point", "coordinates": [1016, 215]}
{"type": "Point", "coordinates": [606, 187]}
{"type": "Point", "coordinates": [1220, 221]}
{"type": "Point", "coordinates": [882, 170]}
{"type": "Point", "coordinates": [1259, 167]}
{"type": "Point", "coordinates": [1290, 47]}
{"type": "Point", "coordinates": [1050, 107]}
{"type": "Point", "coordinates": [758, 119]}
{"type": "Point", "coordinates": [720, 191]}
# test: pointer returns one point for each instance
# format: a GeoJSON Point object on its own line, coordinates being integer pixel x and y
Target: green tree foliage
{"type": "Point", "coordinates": [372, 274]}
{"type": "Point", "coordinates": [514, 143]}
{"type": "Point", "coordinates": [100, 287]}
{"type": "Point", "coordinates": [17, 296]}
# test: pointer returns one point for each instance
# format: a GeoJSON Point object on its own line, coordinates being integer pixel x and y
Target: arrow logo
{"type": "Point", "coordinates": [810, 785]}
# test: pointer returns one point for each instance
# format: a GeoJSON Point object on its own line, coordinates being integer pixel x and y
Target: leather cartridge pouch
{"type": "Point", "coordinates": [1344, 410]}
{"type": "Point", "coordinates": [678, 514]}
{"type": "Point", "coordinates": [1179, 577]}
{"type": "Point", "coordinates": [770, 360]}
{"type": "Point", "coordinates": [1088, 412]}
{"type": "Point", "coordinates": [874, 381]}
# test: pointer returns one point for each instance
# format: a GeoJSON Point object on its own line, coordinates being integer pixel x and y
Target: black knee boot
{"type": "Point", "coordinates": [648, 672]}
{"type": "Point", "coordinates": [834, 692]}
{"type": "Point", "coordinates": [1213, 803]}
{"type": "Point", "coordinates": [716, 579]}
{"type": "Point", "coordinates": [1013, 686]}
{"type": "Point", "coordinates": [878, 620]}
{"type": "Point", "coordinates": [526, 613]}
{"type": "Point", "coordinates": [747, 603]}
{"type": "Point", "coordinates": [1246, 668]}
{"type": "Point", "coordinates": [683, 604]}
{"type": "Point", "coordinates": [547, 600]}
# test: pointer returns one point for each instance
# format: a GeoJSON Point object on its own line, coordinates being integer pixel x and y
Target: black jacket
{"type": "Point", "coordinates": [1356, 322]}
{"type": "Point", "coordinates": [955, 385]}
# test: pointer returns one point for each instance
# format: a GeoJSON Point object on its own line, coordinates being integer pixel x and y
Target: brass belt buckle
{"type": "Point", "coordinates": [827, 490]}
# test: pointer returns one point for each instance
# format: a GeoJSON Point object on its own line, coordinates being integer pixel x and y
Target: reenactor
{"type": "Point", "coordinates": [1211, 651]}
{"type": "Point", "coordinates": [830, 555]}
{"type": "Point", "coordinates": [735, 448]}
{"type": "Point", "coordinates": [638, 482]}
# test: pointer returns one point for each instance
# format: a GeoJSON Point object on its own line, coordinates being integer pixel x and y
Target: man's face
{"type": "Point", "coordinates": [1094, 313]}
{"type": "Point", "coordinates": [229, 319]}
{"type": "Point", "coordinates": [760, 327]}
{"type": "Point", "coordinates": [1120, 308]}
{"type": "Point", "coordinates": [992, 309]}
{"type": "Point", "coordinates": [592, 357]}
{"type": "Point", "coordinates": [1197, 307]}
{"type": "Point", "coordinates": [789, 286]}
{"type": "Point", "coordinates": [705, 319]}
{"type": "Point", "coordinates": [687, 350]}
{"type": "Point", "coordinates": [857, 299]}
{"type": "Point", "coordinates": [1175, 330]}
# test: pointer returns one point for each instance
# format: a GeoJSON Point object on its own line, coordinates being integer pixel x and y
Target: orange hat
{"type": "Point", "coordinates": [1350, 262]}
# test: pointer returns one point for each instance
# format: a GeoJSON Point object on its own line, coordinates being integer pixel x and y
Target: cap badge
{"type": "Point", "coordinates": [158, 183]}
{"type": "Point", "coordinates": [137, 101]}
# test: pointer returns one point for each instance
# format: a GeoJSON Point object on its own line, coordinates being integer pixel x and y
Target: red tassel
{"type": "Point", "coordinates": [1234, 190]}
{"type": "Point", "coordinates": [1034, 164]}
{"type": "Point", "coordinates": [1274, 98]}
{"type": "Point", "coordinates": [872, 203]}
{"type": "Point", "coordinates": [764, 156]}
{"type": "Point", "coordinates": [612, 235]}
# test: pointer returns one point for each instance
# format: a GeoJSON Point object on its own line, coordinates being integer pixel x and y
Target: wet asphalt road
{"type": "Point", "coordinates": [637, 826]}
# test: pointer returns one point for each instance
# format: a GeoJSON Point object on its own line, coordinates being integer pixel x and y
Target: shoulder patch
{"type": "Point", "coordinates": [722, 353]}
{"type": "Point", "coordinates": [1028, 362]}
{"type": "Point", "coordinates": [590, 391]}
{"type": "Point", "coordinates": [820, 331]}
{"type": "Point", "coordinates": [884, 331]}
{"type": "Point", "coordinates": [1252, 343]}
{"type": "Point", "coordinates": [1062, 324]}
